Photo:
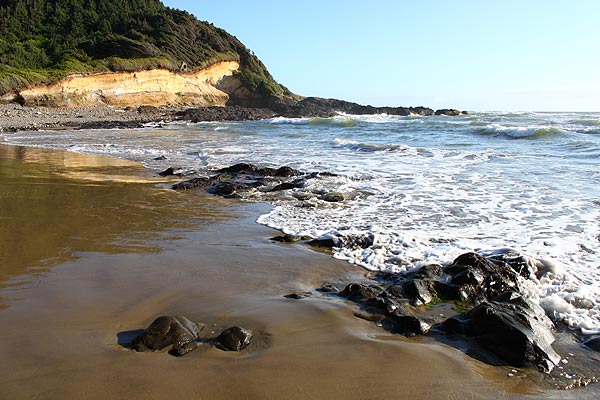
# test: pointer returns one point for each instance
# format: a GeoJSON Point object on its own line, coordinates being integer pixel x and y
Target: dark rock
{"type": "Point", "coordinates": [333, 197]}
{"type": "Point", "coordinates": [286, 172]}
{"type": "Point", "coordinates": [357, 241]}
{"type": "Point", "coordinates": [430, 271]}
{"type": "Point", "coordinates": [298, 296]}
{"type": "Point", "coordinates": [240, 168]}
{"type": "Point", "coordinates": [395, 291]}
{"type": "Point", "coordinates": [383, 303]}
{"type": "Point", "coordinates": [289, 238]}
{"type": "Point", "coordinates": [419, 291]}
{"type": "Point", "coordinates": [323, 243]}
{"type": "Point", "coordinates": [448, 111]}
{"type": "Point", "coordinates": [110, 125]}
{"type": "Point", "coordinates": [407, 324]}
{"type": "Point", "coordinates": [313, 175]}
{"type": "Point", "coordinates": [522, 265]}
{"type": "Point", "coordinates": [251, 169]}
{"type": "Point", "coordinates": [223, 188]}
{"type": "Point", "coordinates": [171, 171]}
{"type": "Point", "coordinates": [160, 158]}
{"type": "Point", "coordinates": [467, 277]}
{"type": "Point", "coordinates": [448, 291]}
{"type": "Point", "coordinates": [295, 184]}
{"type": "Point", "coordinates": [175, 331]}
{"type": "Point", "coordinates": [324, 108]}
{"type": "Point", "coordinates": [194, 183]}
{"type": "Point", "coordinates": [234, 339]}
{"type": "Point", "coordinates": [229, 113]}
{"type": "Point", "coordinates": [185, 348]}
{"type": "Point", "coordinates": [480, 278]}
{"type": "Point", "coordinates": [328, 288]}
{"type": "Point", "coordinates": [360, 292]}
{"type": "Point", "coordinates": [518, 331]}
{"type": "Point", "coordinates": [593, 343]}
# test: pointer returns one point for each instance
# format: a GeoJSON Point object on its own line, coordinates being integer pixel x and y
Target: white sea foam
{"type": "Point", "coordinates": [423, 189]}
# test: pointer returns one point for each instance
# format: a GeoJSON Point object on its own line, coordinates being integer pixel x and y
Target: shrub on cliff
{"type": "Point", "coordinates": [43, 40]}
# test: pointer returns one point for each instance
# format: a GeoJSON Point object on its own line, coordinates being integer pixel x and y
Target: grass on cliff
{"type": "Point", "coordinates": [42, 41]}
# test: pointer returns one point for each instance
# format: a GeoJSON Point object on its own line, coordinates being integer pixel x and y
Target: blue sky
{"type": "Point", "coordinates": [473, 55]}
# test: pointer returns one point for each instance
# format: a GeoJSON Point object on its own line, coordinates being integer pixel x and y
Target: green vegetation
{"type": "Point", "coordinates": [42, 41]}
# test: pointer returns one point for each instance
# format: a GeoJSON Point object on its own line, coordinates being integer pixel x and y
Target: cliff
{"type": "Point", "coordinates": [117, 51]}
{"type": "Point", "coordinates": [152, 87]}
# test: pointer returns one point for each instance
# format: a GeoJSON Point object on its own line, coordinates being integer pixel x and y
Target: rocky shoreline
{"type": "Point", "coordinates": [475, 304]}
{"type": "Point", "coordinates": [14, 117]}
{"type": "Point", "coordinates": [479, 303]}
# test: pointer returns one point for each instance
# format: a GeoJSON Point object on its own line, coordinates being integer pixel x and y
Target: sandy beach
{"type": "Point", "coordinates": [93, 248]}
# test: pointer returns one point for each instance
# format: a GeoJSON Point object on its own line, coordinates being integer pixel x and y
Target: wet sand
{"type": "Point", "coordinates": [91, 249]}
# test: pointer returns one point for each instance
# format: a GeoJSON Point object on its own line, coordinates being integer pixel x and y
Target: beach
{"type": "Point", "coordinates": [94, 248]}
{"type": "Point", "coordinates": [95, 258]}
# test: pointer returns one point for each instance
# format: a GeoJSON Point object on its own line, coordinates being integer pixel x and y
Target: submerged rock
{"type": "Point", "coordinates": [298, 296]}
{"type": "Point", "coordinates": [295, 184]}
{"type": "Point", "coordinates": [176, 331]}
{"type": "Point", "coordinates": [333, 197]}
{"type": "Point", "coordinates": [287, 238]}
{"type": "Point", "coordinates": [593, 343]}
{"type": "Point", "coordinates": [194, 183]}
{"type": "Point", "coordinates": [325, 243]}
{"type": "Point", "coordinates": [171, 171]}
{"type": "Point", "coordinates": [235, 338]}
{"type": "Point", "coordinates": [328, 288]}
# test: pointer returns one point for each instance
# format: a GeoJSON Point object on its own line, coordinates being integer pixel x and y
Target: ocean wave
{"type": "Point", "coordinates": [519, 132]}
{"type": "Point", "coordinates": [586, 122]}
{"type": "Point", "coordinates": [343, 121]}
{"type": "Point", "coordinates": [372, 147]}
{"type": "Point", "coordinates": [336, 121]}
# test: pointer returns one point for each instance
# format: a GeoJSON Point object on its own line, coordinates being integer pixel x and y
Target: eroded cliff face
{"type": "Point", "coordinates": [153, 87]}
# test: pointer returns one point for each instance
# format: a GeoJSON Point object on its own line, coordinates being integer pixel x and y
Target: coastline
{"type": "Point", "coordinates": [102, 171]}
{"type": "Point", "coordinates": [16, 117]}
{"type": "Point", "coordinates": [220, 268]}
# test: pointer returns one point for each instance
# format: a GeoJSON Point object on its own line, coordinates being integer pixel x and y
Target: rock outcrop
{"type": "Point", "coordinates": [490, 309]}
{"type": "Point", "coordinates": [237, 179]}
{"type": "Point", "coordinates": [183, 336]}
{"type": "Point", "coordinates": [176, 331]}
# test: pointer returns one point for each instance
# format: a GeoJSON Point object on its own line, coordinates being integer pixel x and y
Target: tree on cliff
{"type": "Point", "coordinates": [44, 40]}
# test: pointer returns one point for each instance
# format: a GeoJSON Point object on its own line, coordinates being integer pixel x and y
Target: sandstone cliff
{"type": "Point", "coordinates": [151, 87]}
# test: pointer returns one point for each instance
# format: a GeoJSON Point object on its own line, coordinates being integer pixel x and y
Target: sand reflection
{"type": "Point", "coordinates": [56, 205]}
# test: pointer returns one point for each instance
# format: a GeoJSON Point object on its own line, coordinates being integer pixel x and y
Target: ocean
{"type": "Point", "coordinates": [423, 189]}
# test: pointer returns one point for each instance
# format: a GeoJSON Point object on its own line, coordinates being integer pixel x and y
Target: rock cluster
{"type": "Point", "coordinates": [490, 309]}
{"type": "Point", "coordinates": [309, 107]}
{"type": "Point", "coordinates": [183, 336]}
{"type": "Point", "coordinates": [320, 107]}
{"type": "Point", "coordinates": [230, 113]}
{"type": "Point", "coordinates": [234, 181]}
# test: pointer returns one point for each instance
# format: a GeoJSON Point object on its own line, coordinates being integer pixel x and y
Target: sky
{"type": "Point", "coordinates": [524, 55]}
